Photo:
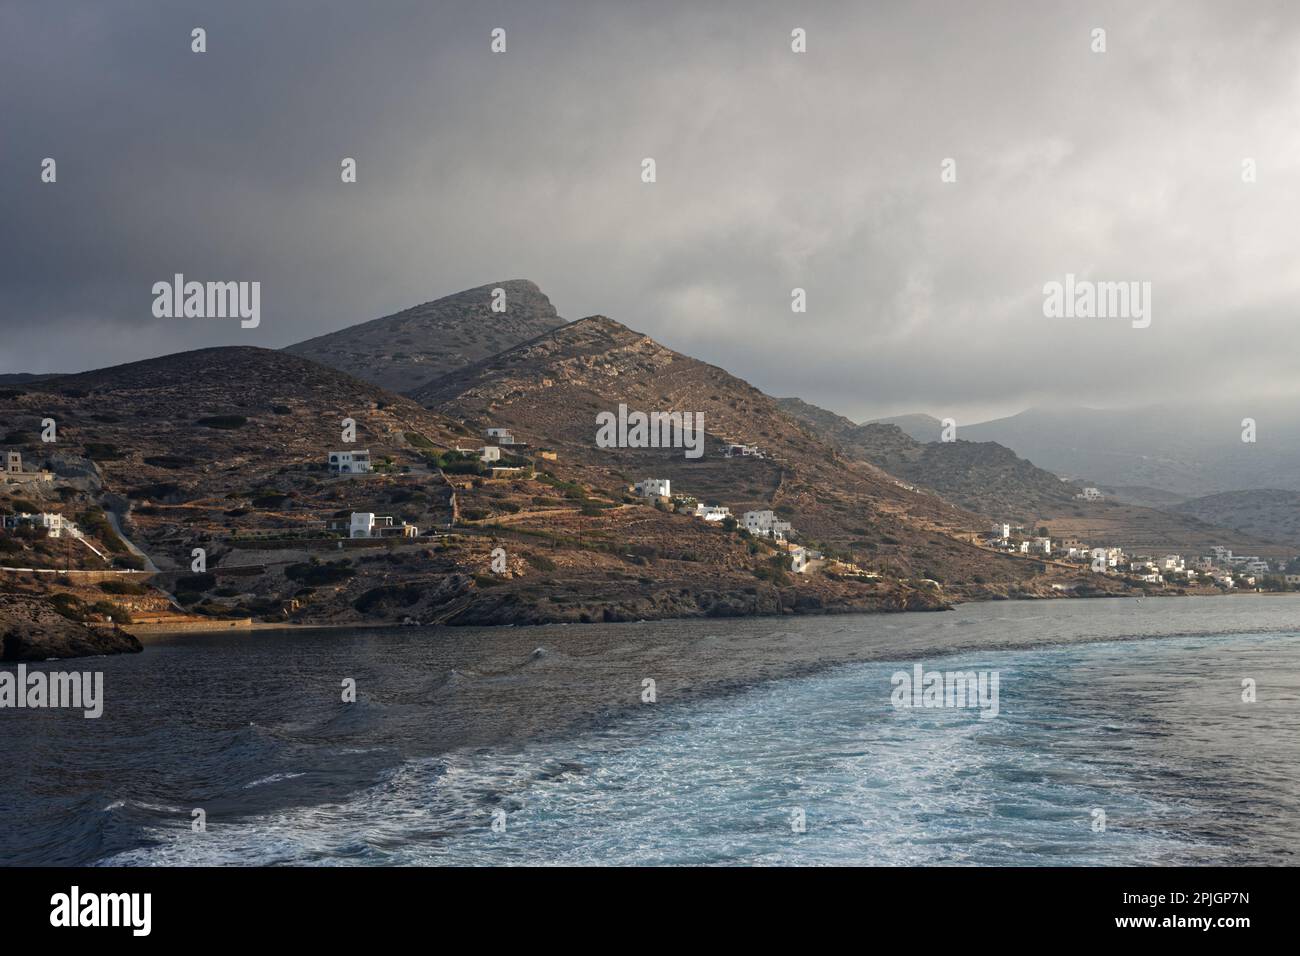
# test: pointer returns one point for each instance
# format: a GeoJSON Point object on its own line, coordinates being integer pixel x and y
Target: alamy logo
{"type": "Point", "coordinates": [74, 909]}
{"type": "Point", "coordinates": [655, 430]}
{"type": "Point", "coordinates": [77, 690]}
{"type": "Point", "coordinates": [929, 689]}
{"type": "Point", "coordinates": [1085, 299]}
{"type": "Point", "coordinates": [208, 300]}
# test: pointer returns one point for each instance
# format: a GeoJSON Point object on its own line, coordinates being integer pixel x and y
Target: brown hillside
{"type": "Point", "coordinates": [550, 390]}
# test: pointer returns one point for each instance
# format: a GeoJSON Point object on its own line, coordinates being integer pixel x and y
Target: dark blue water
{"type": "Point", "coordinates": [755, 724]}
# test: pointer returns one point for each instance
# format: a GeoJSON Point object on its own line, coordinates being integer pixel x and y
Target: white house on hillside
{"type": "Point", "coordinates": [654, 488]}
{"type": "Point", "coordinates": [765, 524]}
{"type": "Point", "coordinates": [53, 523]}
{"type": "Point", "coordinates": [801, 557]}
{"type": "Point", "coordinates": [350, 462]}
{"type": "Point", "coordinates": [366, 524]}
{"type": "Point", "coordinates": [712, 512]}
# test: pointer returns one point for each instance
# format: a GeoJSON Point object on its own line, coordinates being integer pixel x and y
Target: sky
{"type": "Point", "coordinates": [775, 170]}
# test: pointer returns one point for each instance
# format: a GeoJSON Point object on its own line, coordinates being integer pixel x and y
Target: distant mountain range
{"type": "Point", "coordinates": [403, 351]}
{"type": "Point", "coordinates": [991, 479]}
{"type": "Point", "coordinates": [1190, 449]}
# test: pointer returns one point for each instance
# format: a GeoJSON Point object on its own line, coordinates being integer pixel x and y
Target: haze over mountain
{"type": "Point", "coordinates": [984, 477]}
{"type": "Point", "coordinates": [1269, 513]}
{"type": "Point", "coordinates": [990, 479]}
{"type": "Point", "coordinates": [921, 427]}
{"type": "Point", "coordinates": [1188, 449]}
{"type": "Point", "coordinates": [404, 351]}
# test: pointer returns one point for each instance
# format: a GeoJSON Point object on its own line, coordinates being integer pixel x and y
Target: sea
{"type": "Point", "coordinates": [1126, 732]}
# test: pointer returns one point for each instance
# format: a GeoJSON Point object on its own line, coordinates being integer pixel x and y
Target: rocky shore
{"type": "Point", "coordinates": [31, 630]}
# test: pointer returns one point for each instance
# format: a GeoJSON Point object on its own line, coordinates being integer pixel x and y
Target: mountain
{"type": "Point", "coordinates": [403, 351]}
{"type": "Point", "coordinates": [1190, 450]}
{"type": "Point", "coordinates": [21, 378]}
{"type": "Point", "coordinates": [219, 456]}
{"type": "Point", "coordinates": [922, 428]}
{"type": "Point", "coordinates": [1271, 514]}
{"type": "Point", "coordinates": [988, 478]}
{"type": "Point", "coordinates": [1141, 495]}
{"type": "Point", "coordinates": [551, 390]}
{"type": "Point", "coordinates": [983, 477]}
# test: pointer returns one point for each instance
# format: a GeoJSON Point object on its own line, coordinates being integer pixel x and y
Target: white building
{"type": "Point", "coordinates": [1090, 494]}
{"type": "Point", "coordinates": [350, 462]}
{"type": "Point", "coordinates": [363, 524]}
{"type": "Point", "coordinates": [654, 488]}
{"type": "Point", "coordinates": [1172, 562]}
{"type": "Point", "coordinates": [801, 558]}
{"type": "Point", "coordinates": [712, 512]}
{"type": "Point", "coordinates": [53, 524]}
{"type": "Point", "coordinates": [13, 470]}
{"type": "Point", "coordinates": [1002, 531]}
{"type": "Point", "coordinates": [765, 524]}
{"type": "Point", "coordinates": [1041, 546]}
{"type": "Point", "coordinates": [502, 435]}
{"type": "Point", "coordinates": [489, 453]}
{"type": "Point", "coordinates": [366, 524]}
{"type": "Point", "coordinates": [743, 451]}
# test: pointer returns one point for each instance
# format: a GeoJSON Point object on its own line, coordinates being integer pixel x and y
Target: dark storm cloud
{"type": "Point", "coordinates": [775, 170]}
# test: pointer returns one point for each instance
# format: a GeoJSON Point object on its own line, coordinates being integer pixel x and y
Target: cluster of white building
{"type": "Point", "coordinates": [1220, 566]}
{"type": "Point", "coordinates": [761, 523]}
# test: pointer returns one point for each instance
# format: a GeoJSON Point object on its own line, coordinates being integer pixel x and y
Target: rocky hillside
{"type": "Point", "coordinates": [983, 477]}
{"type": "Point", "coordinates": [1271, 514]}
{"type": "Point", "coordinates": [225, 450]}
{"type": "Point", "coordinates": [403, 351]}
{"type": "Point", "coordinates": [31, 629]}
{"type": "Point", "coordinates": [550, 390]}
{"type": "Point", "coordinates": [923, 428]}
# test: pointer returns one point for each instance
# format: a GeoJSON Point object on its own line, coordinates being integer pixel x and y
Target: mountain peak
{"type": "Point", "coordinates": [405, 350]}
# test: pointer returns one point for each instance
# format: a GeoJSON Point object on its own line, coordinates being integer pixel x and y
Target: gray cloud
{"type": "Point", "coordinates": [776, 170]}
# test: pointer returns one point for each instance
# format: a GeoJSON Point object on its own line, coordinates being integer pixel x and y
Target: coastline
{"type": "Point", "coordinates": [150, 633]}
